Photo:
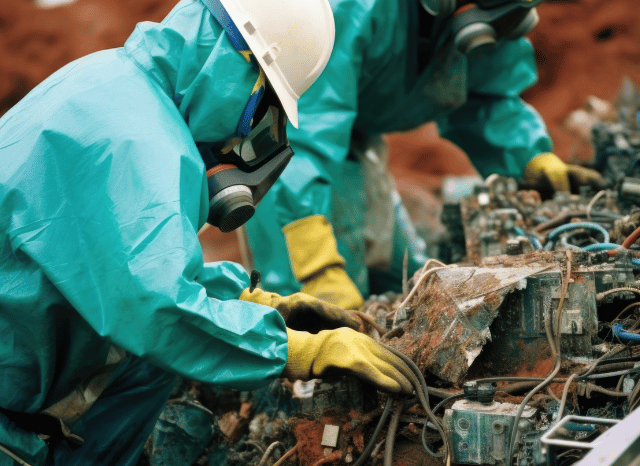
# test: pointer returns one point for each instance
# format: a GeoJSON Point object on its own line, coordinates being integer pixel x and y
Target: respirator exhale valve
{"type": "Point", "coordinates": [231, 208]}
{"type": "Point", "coordinates": [234, 193]}
{"type": "Point", "coordinates": [477, 26]}
{"type": "Point", "coordinates": [476, 29]}
{"type": "Point", "coordinates": [475, 37]}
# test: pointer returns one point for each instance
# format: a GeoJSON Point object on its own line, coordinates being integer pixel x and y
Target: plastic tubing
{"type": "Point", "coordinates": [627, 243]}
{"type": "Point", "coordinates": [622, 334]}
{"type": "Point", "coordinates": [632, 238]}
{"type": "Point", "coordinates": [577, 225]}
{"type": "Point", "coordinates": [535, 241]}
{"type": "Point", "coordinates": [601, 247]}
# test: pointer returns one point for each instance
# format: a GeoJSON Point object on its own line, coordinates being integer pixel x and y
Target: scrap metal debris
{"type": "Point", "coordinates": [538, 319]}
{"type": "Point", "coordinates": [452, 313]}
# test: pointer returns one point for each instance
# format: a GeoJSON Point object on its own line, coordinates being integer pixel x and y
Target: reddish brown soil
{"type": "Point", "coordinates": [35, 42]}
{"type": "Point", "coordinates": [584, 47]}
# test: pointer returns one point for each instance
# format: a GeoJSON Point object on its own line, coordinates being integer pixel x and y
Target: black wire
{"type": "Point", "coordinates": [391, 434]}
{"type": "Point", "coordinates": [447, 400]}
{"type": "Point", "coordinates": [609, 362]}
{"type": "Point", "coordinates": [423, 390]}
{"type": "Point", "coordinates": [425, 396]}
{"type": "Point", "coordinates": [255, 280]}
{"type": "Point", "coordinates": [618, 360]}
{"type": "Point", "coordinates": [424, 426]}
{"type": "Point", "coordinates": [372, 442]}
{"type": "Point", "coordinates": [424, 442]}
{"type": "Point", "coordinates": [604, 375]}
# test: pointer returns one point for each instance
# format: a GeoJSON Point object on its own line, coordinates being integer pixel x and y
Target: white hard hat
{"type": "Point", "coordinates": [291, 39]}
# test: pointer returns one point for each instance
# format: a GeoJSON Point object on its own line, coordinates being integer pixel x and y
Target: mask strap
{"type": "Point", "coordinates": [233, 33]}
{"type": "Point", "coordinates": [224, 20]}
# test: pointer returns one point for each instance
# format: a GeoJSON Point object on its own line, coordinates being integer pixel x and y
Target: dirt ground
{"type": "Point", "coordinates": [583, 47]}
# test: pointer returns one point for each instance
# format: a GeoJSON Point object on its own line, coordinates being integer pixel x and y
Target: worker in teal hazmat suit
{"type": "Point", "coordinates": [333, 225]}
{"type": "Point", "coordinates": [108, 169]}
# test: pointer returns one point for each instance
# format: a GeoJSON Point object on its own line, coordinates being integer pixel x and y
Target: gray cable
{"type": "Point", "coordinates": [369, 448]}
{"type": "Point", "coordinates": [423, 394]}
{"type": "Point", "coordinates": [391, 434]}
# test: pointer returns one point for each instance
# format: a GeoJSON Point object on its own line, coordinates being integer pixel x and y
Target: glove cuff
{"type": "Point", "coordinates": [334, 286]}
{"type": "Point", "coordinates": [300, 355]}
{"type": "Point", "coordinates": [312, 246]}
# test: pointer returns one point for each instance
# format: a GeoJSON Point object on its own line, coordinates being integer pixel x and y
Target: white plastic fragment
{"type": "Point", "coordinates": [330, 436]}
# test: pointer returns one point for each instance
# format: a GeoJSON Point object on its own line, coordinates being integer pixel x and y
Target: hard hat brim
{"type": "Point", "coordinates": [277, 45]}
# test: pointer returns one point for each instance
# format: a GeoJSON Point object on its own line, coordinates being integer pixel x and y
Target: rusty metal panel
{"type": "Point", "coordinates": [452, 315]}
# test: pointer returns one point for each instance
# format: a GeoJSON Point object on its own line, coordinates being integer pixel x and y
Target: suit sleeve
{"type": "Point", "coordinates": [112, 221]}
{"type": "Point", "coordinates": [498, 130]}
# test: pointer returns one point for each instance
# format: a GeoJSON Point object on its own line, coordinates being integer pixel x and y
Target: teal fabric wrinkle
{"type": "Point", "coordinates": [192, 60]}
{"type": "Point", "coordinates": [495, 120]}
{"type": "Point", "coordinates": [507, 71]}
{"type": "Point", "coordinates": [26, 445]}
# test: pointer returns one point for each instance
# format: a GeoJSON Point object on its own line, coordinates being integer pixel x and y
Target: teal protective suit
{"type": "Point", "coordinates": [371, 86]}
{"type": "Point", "coordinates": [102, 192]}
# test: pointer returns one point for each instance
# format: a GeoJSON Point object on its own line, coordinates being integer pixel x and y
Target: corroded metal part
{"type": "Point", "coordinates": [452, 315]}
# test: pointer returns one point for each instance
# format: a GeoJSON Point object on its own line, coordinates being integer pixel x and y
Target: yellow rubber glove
{"type": "Point", "coordinates": [301, 311]}
{"type": "Point", "coordinates": [345, 352]}
{"type": "Point", "coordinates": [317, 264]}
{"type": "Point", "coordinates": [547, 173]}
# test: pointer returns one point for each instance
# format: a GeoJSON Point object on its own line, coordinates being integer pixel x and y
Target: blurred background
{"type": "Point", "coordinates": [584, 50]}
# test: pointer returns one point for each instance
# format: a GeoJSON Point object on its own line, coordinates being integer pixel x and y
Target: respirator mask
{"type": "Point", "coordinates": [241, 170]}
{"type": "Point", "coordinates": [480, 25]}
{"type": "Point", "coordinates": [239, 177]}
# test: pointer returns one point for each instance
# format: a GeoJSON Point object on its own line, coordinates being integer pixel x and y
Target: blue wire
{"type": "Point", "coordinates": [604, 246]}
{"type": "Point", "coordinates": [575, 427]}
{"type": "Point", "coordinates": [621, 334]}
{"type": "Point", "coordinates": [601, 247]}
{"type": "Point", "coordinates": [579, 225]}
{"type": "Point", "coordinates": [536, 243]}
